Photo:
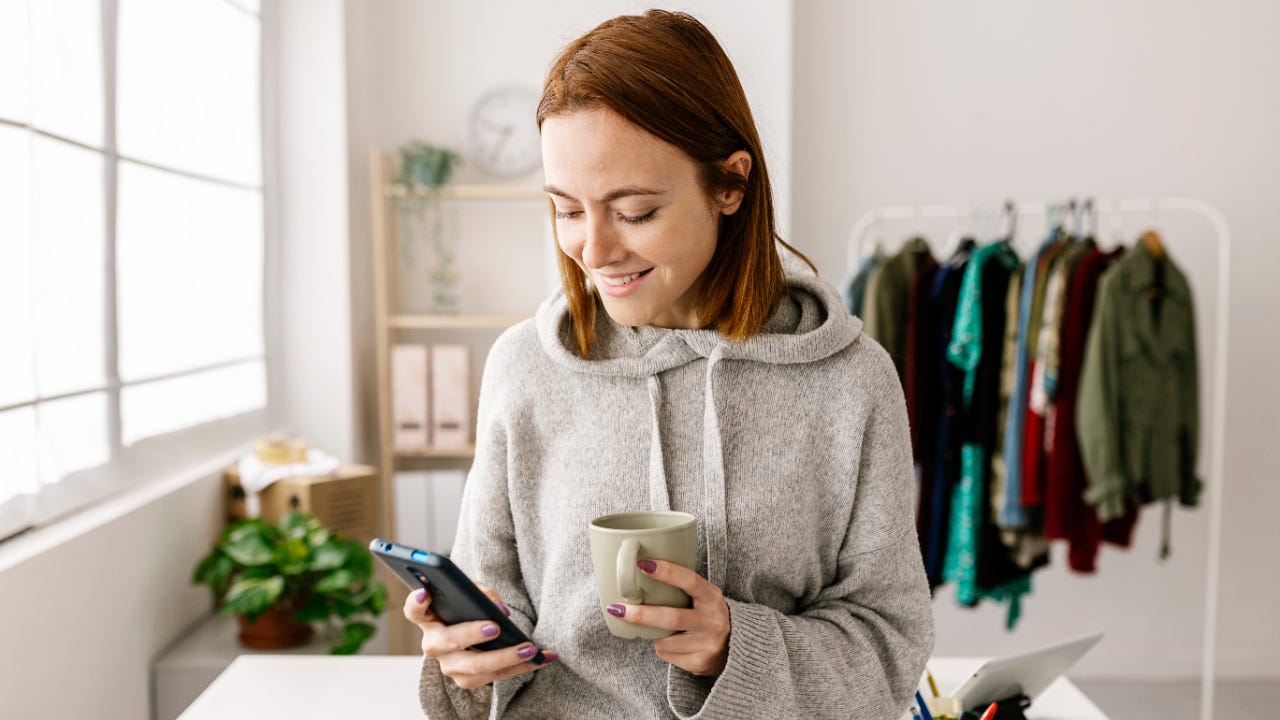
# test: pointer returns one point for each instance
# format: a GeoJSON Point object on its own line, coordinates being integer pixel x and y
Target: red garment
{"type": "Point", "coordinates": [1066, 515]}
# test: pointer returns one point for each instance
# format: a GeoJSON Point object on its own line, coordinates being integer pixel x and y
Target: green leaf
{"type": "Point", "coordinates": [378, 602]}
{"type": "Point", "coordinates": [253, 596]}
{"type": "Point", "coordinates": [359, 560]}
{"type": "Point", "coordinates": [337, 580]}
{"type": "Point", "coordinates": [249, 546]}
{"type": "Point", "coordinates": [353, 636]}
{"type": "Point", "coordinates": [330, 556]}
{"type": "Point", "coordinates": [315, 609]}
{"type": "Point", "coordinates": [293, 552]}
{"type": "Point", "coordinates": [318, 537]}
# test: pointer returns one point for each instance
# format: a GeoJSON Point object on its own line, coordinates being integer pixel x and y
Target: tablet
{"type": "Point", "coordinates": [1027, 674]}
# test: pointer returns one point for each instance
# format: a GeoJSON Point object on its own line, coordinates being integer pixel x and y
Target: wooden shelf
{"type": "Point", "coordinates": [465, 451]}
{"type": "Point", "coordinates": [469, 192]}
{"type": "Point", "coordinates": [457, 322]}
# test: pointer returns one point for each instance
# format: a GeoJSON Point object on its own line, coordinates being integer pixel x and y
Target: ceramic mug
{"type": "Point", "coordinates": [618, 541]}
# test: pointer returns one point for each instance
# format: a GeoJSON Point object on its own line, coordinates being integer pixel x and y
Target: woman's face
{"type": "Point", "coordinates": [631, 213]}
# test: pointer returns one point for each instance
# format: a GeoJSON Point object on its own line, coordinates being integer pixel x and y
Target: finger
{"type": "Point", "coordinates": [682, 643]}
{"type": "Point", "coordinates": [658, 616]}
{"type": "Point", "coordinates": [445, 639]}
{"type": "Point", "coordinates": [696, 586]}
{"type": "Point", "coordinates": [493, 595]}
{"type": "Point", "coordinates": [417, 607]}
{"type": "Point", "coordinates": [473, 669]}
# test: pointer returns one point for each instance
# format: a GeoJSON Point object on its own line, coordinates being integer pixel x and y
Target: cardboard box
{"type": "Point", "coordinates": [347, 502]}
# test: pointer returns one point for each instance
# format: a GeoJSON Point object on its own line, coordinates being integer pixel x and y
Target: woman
{"type": "Point", "coordinates": [682, 369]}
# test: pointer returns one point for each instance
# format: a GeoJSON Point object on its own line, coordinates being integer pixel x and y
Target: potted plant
{"type": "Point", "coordinates": [422, 219]}
{"type": "Point", "coordinates": [281, 578]}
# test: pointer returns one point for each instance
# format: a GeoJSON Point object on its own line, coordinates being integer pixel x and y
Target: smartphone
{"type": "Point", "coordinates": [454, 598]}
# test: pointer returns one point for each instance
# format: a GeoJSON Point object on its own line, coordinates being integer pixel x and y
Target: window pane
{"type": "Point", "coordinates": [18, 453]}
{"type": "Point", "coordinates": [169, 405]}
{"type": "Point", "coordinates": [189, 279]}
{"type": "Point", "coordinates": [66, 69]}
{"type": "Point", "coordinates": [73, 435]}
{"type": "Point", "coordinates": [15, 53]}
{"type": "Point", "coordinates": [67, 227]}
{"type": "Point", "coordinates": [17, 350]}
{"type": "Point", "coordinates": [188, 87]}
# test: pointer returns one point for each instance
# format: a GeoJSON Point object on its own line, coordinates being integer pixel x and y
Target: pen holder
{"type": "Point", "coordinates": [944, 708]}
{"type": "Point", "coordinates": [1009, 708]}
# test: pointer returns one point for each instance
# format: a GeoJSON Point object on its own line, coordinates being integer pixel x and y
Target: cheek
{"type": "Point", "coordinates": [570, 242]}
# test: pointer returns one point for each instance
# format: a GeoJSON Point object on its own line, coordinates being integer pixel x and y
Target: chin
{"type": "Point", "coordinates": [626, 316]}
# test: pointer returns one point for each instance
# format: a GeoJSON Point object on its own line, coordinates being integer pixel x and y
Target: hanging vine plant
{"type": "Point", "coordinates": [425, 220]}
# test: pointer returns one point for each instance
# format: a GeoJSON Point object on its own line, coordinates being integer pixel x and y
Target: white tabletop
{"type": "Point", "coordinates": [317, 687]}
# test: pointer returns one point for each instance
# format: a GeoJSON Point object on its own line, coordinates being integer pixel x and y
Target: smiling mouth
{"type": "Point", "coordinates": [623, 280]}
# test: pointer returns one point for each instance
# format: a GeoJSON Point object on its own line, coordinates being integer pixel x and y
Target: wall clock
{"type": "Point", "coordinates": [503, 132]}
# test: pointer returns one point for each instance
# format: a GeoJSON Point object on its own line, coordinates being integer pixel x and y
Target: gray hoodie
{"type": "Point", "coordinates": [792, 450]}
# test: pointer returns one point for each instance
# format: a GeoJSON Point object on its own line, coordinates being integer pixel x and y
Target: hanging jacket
{"type": "Point", "coordinates": [792, 450]}
{"type": "Point", "coordinates": [1138, 414]}
{"type": "Point", "coordinates": [888, 298]}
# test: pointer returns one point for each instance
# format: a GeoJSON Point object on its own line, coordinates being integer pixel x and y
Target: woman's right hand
{"type": "Point", "coordinates": [450, 645]}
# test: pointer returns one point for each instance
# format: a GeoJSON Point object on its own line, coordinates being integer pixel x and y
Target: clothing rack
{"type": "Point", "coordinates": [1151, 207]}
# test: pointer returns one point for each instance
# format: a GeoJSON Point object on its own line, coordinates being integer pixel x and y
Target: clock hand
{"type": "Point", "coordinates": [503, 136]}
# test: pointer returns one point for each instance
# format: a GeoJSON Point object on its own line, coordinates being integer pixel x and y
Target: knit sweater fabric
{"type": "Point", "coordinates": [792, 450]}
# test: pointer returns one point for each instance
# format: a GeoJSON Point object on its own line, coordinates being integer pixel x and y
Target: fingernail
{"type": "Point", "coordinates": [489, 630]}
{"type": "Point", "coordinates": [527, 652]}
{"type": "Point", "coordinates": [503, 607]}
{"type": "Point", "coordinates": [647, 565]}
{"type": "Point", "coordinates": [616, 610]}
{"type": "Point", "coordinates": [549, 657]}
{"type": "Point", "coordinates": [420, 596]}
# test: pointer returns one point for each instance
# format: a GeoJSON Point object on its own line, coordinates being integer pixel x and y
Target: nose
{"type": "Point", "coordinates": [601, 246]}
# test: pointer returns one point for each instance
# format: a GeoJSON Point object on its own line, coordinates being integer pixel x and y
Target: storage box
{"type": "Point", "coordinates": [409, 397]}
{"type": "Point", "coordinates": [347, 502]}
{"type": "Point", "coordinates": [450, 371]}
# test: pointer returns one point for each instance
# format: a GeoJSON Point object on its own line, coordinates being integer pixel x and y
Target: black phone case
{"type": "Point", "coordinates": [454, 598]}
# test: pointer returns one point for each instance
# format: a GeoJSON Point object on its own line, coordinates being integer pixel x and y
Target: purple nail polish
{"type": "Point", "coordinates": [549, 657]}
{"type": "Point", "coordinates": [526, 652]}
{"type": "Point", "coordinates": [616, 610]}
{"type": "Point", "coordinates": [489, 630]}
{"type": "Point", "coordinates": [420, 596]}
{"type": "Point", "coordinates": [503, 607]}
{"type": "Point", "coordinates": [647, 565]}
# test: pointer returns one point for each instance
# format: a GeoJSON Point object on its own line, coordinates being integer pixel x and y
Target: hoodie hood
{"type": "Point", "coordinates": [810, 324]}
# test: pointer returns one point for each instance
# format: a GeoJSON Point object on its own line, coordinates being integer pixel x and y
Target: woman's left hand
{"type": "Point", "coordinates": [700, 644]}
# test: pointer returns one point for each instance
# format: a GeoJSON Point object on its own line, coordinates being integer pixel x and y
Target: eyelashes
{"type": "Point", "coordinates": [636, 220]}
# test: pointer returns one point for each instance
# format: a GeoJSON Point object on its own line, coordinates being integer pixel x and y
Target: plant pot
{"type": "Point", "coordinates": [273, 630]}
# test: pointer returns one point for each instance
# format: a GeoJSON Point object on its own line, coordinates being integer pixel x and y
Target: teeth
{"type": "Point", "coordinates": [622, 280]}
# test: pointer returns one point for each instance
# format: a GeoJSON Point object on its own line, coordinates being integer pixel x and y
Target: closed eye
{"type": "Point", "coordinates": [638, 219]}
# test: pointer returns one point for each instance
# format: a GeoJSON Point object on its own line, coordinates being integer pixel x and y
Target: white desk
{"type": "Point", "coordinates": [314, 687]}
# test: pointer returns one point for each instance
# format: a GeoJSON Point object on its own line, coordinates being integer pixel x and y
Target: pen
{"type": "Point", "coordinates": [990, 713]}
{"type": "Point", "coordinates": [932, 685]}
{"type": "Point", "coordinates": [924, 709]}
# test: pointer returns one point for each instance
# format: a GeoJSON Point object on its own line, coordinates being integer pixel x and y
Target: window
{"type": "Point", "coordinates": [131, 243]}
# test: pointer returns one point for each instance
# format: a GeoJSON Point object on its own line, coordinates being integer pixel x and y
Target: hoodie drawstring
{"type": "Point", "coordinates": [714, 524]}
{"type": "Point", "coordinates": [658, 497]}
{"type": "Point", "coordinates": [714, 521]}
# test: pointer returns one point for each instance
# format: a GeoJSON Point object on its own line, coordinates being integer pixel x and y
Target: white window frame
{"type": "Point", "coordinates": [152, 459]}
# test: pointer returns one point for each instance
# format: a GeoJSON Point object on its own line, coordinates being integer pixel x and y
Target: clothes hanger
{"type": "Point", "coordinates": [1090, 215]}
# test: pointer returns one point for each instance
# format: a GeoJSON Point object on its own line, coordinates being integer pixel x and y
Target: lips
{"type": "Point", "coordinates": [622, 280]}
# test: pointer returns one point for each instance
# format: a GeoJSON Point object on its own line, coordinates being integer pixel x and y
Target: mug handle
{"type": "Point", "coordinates": [628, 584]}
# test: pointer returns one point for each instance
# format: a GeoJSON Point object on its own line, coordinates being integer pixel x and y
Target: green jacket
{"type": "Point", "coordinates": [1138, 411]}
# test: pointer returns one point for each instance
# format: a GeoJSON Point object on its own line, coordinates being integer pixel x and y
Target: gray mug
{"type": "Point", "coordinates": [618, 541]}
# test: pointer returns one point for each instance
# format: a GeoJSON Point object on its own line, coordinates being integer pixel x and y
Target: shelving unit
{"type": "Point", "coordinates": [391, 322]}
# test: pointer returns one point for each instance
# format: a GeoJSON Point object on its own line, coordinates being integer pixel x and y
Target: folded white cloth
{"type": "Point", "coordinates": [256, 476]}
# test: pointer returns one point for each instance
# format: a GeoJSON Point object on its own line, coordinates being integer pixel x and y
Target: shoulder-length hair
{"type": "Point", "coordinates": [665, 73]}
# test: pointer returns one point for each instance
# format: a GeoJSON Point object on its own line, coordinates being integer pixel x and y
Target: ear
{"type": "Point", "coordinates": [739, 162]}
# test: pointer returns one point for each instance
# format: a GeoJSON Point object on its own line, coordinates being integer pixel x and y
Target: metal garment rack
{"type": "Point", "coordinates": [1150, 207]}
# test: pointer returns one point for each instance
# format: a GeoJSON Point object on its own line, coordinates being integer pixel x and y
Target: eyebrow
{"type": "Point", "coordinates": [609, 197]}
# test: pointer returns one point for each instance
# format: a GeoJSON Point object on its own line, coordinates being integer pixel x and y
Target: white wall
{"type": "Point", "coordinates": [83, 620]}
{"type": "Point", "coordinates": [317, 384]}
{"type": "Point", "coordinates": [942, 102]}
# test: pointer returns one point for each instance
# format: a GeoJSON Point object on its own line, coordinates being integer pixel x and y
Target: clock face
{"type": "Point", "coordinates": [504, 132]}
